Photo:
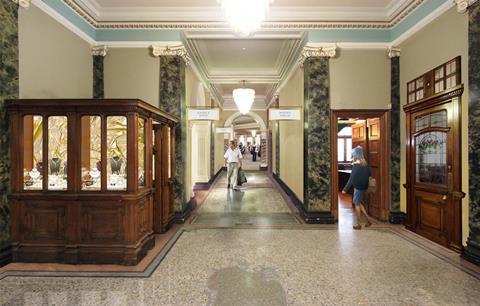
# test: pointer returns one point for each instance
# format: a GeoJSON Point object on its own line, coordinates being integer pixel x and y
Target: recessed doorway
{"type": "Point", "coordinates": [368, 129]}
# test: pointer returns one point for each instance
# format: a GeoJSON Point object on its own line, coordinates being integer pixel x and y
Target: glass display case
{"type": "Point", "coordinates": [82, 181]}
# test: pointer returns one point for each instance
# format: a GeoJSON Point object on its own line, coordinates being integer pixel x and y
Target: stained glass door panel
{"type": "Point", "coordinates": [431, 158]}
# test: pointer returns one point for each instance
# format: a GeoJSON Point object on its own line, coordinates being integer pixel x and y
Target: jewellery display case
{"type": "Point", "coordinates": [90, 179]}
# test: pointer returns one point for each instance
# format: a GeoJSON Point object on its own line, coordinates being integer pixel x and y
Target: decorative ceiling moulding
{"type": "Point", "coordinates": [393, 52]}
{"type": "Point", "coordinates": [22, 3]}
{"type": "Point", "coordinates": [99, 50]}
{"type": "Point", "coordinates": [220, 25]}
{"type": "Point", "coordinates": [171, 51]}
{"type": "Point", "coordinates": [462, 5]}
{"type": "Point", "coordinates": [317, 50]}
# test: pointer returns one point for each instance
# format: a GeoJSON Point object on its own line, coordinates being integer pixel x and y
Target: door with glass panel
{"type": "Point", "coordinates": [434, 196]}
{"type": "Point", "coordinates": [434, 182]}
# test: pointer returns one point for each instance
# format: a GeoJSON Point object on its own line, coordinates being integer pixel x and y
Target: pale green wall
{"type": "Point", "coordinates": [291, 135]}
{"type": "Point", "coordinates": [360, 79]}
{"type": "Point", "coordinates": [132, 73]}
{"type": "Point", "coordinates": [53, 61]}
{"type": "Point", "coordinates": [442, 40]}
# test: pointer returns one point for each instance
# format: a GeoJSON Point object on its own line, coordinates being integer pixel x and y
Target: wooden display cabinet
{"type": "Point", "coordinates": [82, 185]}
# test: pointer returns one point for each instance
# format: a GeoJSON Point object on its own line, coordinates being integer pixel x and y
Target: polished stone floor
{"type": "Point", "coordinates": [295, 264]}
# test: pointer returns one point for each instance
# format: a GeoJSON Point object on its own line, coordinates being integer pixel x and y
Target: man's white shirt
{"type": "Point", "coordinates": [233, 156]}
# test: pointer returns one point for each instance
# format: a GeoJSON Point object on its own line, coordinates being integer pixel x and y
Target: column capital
{"type": "Point", "coordinates": [317, 50]}
{"type": "Point", "coordinates": [462, 5]}
{"type": "Point", "coordinates": [179, 50]}
{"type": "Point", "coordinates": [99, 50]}
{"type": "Point", "coordinates": [394, 52]}
{"type": "Point", "coordinates": [23, 3]}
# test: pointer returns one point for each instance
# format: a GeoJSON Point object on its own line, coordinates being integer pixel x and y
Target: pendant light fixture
{"type": "Point", "coordinates": [244, 98]}
{"type": "Point", "coordinates": [245, 16]}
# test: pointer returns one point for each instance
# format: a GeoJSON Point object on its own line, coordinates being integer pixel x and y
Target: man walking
{"type": "Point", "coordinates": [233, 161]}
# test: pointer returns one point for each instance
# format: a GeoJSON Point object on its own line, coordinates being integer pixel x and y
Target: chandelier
{"type": "Point", "coordinates": [245, 16]}
{"type": "Point", "coordinates": [243, 98]}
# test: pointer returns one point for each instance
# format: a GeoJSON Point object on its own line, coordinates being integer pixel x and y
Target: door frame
{"type": "Point", "coordinates": [385, 190]}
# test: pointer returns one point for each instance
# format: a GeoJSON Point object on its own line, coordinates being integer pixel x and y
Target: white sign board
{"type": "Point", "coordinates": [203, 114]}
{"type": "Point", "coordinates": [224, 130]}
{"type": "Point", "coordinates": [284, 114]}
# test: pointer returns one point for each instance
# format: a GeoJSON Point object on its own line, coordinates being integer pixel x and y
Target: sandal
{"type": "Point", "coordinates": [357, 227]}
{"type": "Point", "coordinates": [368, 224]}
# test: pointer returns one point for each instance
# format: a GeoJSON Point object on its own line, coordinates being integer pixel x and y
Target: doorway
{"type": "Point", "coordinates": [368, 129]}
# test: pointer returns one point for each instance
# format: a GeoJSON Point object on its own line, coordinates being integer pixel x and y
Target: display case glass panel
{"type": "Point", "coordinates": [141, 152]}
{"type": "Point", "coordinates": [33, 152]}
{"type": "Point", "coordinates": [57, 152]}
{"type": "Point", "coordinates": [117, 153]}
{"type": "Point", "coordinates": [91, 152]}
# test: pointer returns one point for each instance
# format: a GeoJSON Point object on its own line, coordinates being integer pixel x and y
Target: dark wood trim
{"type": "Point", "coordinates": [384, 116]}
{"type": "Point", "coordinates": [308, 217]}
{"type": "Point", "coordinates": [397, 217]}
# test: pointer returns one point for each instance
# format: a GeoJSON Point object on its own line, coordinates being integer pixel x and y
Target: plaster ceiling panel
{"type": "Point", "coordinates": [333, 3]}
{"type": "Point", "coordinates": [240, 55]}
{"type": "Point", "coordinates": [227, 89]}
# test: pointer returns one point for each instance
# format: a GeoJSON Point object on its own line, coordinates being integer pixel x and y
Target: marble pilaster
{"type": "Point", "coordinates": [212, 150]}
{"type": "Point", "coordinates": [396, 216]}
{"type": "Point", "coordinates": [472, 251]}
{"type": "Point", "coordinates": [277, 141]}
{"type": "Point", "coordinates": [172, 101]}
{"type": "Point", "coordinates": [98, 54]}
{"type": "Point", "coordinates": [317, 198]}
{"type": "Point", "coordinates": [8, 90]}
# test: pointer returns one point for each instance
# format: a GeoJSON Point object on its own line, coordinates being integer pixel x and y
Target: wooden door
{"type": "Point", "coordinates": [359, 136]}
{"type": "Point", "coordinates": [374, 160]}
{"type": "Point", "coordinates": [434, 174]}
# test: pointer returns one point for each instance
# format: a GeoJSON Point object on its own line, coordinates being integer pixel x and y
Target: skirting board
{"type": "Point", "coordinates": [308, 217]}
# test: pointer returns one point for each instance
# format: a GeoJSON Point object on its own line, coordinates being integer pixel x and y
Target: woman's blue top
{"type": "Point", "coordinates": [359, 177]}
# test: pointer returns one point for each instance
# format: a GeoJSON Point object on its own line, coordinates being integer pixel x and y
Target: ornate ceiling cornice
{"type": "Point", "coordinates": [277, 25]}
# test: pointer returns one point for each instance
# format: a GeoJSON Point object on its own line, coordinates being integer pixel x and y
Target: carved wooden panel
{"type": "Point", "coordinates": [103, 222]}
{"type": "Point", "coordinates": [44, 221]}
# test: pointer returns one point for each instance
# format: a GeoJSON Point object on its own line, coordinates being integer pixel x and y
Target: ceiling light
{"type": "Point", "coordinates": [245, 16]}
{"type": "Point", "coordinates": [243, 98]}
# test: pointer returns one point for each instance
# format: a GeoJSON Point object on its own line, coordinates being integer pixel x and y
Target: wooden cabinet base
{"type": "Point", "coordinates": [83, 254]}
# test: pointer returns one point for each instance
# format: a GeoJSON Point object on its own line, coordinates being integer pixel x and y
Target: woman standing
{"type": "Point", "coordinates": [359, 179]}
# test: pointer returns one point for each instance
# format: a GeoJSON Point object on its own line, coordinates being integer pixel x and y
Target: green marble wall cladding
{"type": "Point", "coordinates": [317, 135]}
{"type": "Point", "coordinates": [98, 86]}
{"type": "Point", "coordinates": [473, 244]}
{"type": "Point", "coordinates": [8, 90]}
{"type": "Point", "coordinates": [172, 101]}
{"type": "Point", "coordinates": [395, 135]}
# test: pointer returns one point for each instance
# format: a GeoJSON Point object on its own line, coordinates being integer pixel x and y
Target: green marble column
{"type": "Point", "coordinates": [317, 198]}
{"type": "Point", "coordinates": [277, 142]}
{"type": "Point", "coordinates": [172, 101]}
{"type": "Point", "coordinates": [472, 251]}
{"type": "Point", "coordinates": [98, 86]}
{"type": "Point", "coordinates": [396, 216]}
{"type": "Point", "coordinates": [8, 90]}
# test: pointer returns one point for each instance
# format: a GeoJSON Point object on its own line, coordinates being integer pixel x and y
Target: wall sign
{"type": "Point", "coordinates": [203, 114]}
{"type": "Point", "coordinates": [284, 114]}
{"type": "Point", "coordinates": [224, 130]}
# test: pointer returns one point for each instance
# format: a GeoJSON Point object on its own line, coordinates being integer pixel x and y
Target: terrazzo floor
{"type": "Point", "coordinates": [293, 265]}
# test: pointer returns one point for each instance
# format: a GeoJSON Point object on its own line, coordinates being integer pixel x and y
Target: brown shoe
{"type": "Point", "coordinates": [357, 227]}
{"type": "Point", "coordinates": [368, 224]}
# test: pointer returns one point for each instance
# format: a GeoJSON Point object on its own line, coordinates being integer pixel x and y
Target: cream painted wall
{"type": "Point", "coordinates": [291, 136]}
{"type": "Point", "coordinates": [132, 73]}
{"type": "Point", "coordinates": [442, 40]}
{"type": "Point", "coordinates": [360, 79]}
{"type": "Point", "coordinates": [53, 62]}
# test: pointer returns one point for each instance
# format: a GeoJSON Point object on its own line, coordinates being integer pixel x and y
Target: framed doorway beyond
{"type": "Point", "coordinates": [383, 162]}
